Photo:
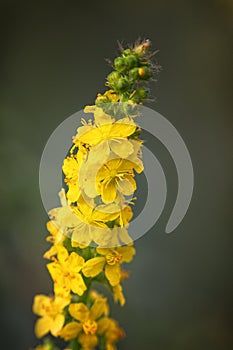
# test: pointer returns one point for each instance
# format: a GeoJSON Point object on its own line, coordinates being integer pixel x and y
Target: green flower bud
{"type": "Point", "coordinates": [133, 73]}
{"type": "Point", "coordinates": [113, 77]}
{"type": "Point", "coordinates": [127, 52]}
{"type": "Point", "coordinates": [131, 61]}
{"type": "Point", "coordinates": [139, 95]}
{"type": "Point", "coordinates": [119, 64]}
{"type": "Point", "coordinates": [121, 85]}
{"type": "Point", "coordinates": [142, 48]}
{"type": "Point", "coordinates": [144, 73]}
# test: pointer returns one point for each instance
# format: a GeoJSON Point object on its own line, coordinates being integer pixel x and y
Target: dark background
{"type": "Point", "coordinates": [52, 60]}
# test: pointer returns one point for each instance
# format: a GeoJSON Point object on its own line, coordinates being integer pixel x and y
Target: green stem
{"type": "Point", "coordinates": [74, 345]}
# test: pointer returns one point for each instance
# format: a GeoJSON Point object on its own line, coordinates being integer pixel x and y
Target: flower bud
{"type": "Point", "coordinates": [113, 77]}
{"type": "Point", "coordinates": [119, 64]}
{"type": "Point", "coordinates": [139, 95]}
{"type": "Point", "coordinates": [133, 73]}
{"type": "Point", "coordinates": [144, 73]}
{"type": "Point", "coordinates": [142, 48]}
{"type": "Point", "coordinates": [127, 52]}
{"type": "Point", "coordinates": [121, 85]}
{"type": "Point", "coordinates": [131, 61]}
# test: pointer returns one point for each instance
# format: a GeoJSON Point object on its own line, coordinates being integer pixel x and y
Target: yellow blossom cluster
{"type": "Point", "coordinates": [89, 230]}
{"type": "Point", "coordinates": [89, 240]}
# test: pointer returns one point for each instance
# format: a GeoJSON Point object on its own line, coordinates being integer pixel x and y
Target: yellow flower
{"type": "Point", "coordinates": [116, 176]}
{"type": "Point", "coordinates": [100, 165]}
{"type": "Point", "coordinates": [51, 312]}
{"type": "Point", "coordinates": [109, 96]}
{"type": "Point", "coordinates": [71, 170]}
{"type": "Point", "coordinates": [65, 273]}
{"type": "Point", "coordinates": [110, 262]}
{"type": "Point", "coordinates": [108, 137]}
{"type": "Point", "coordinates": [57, 237]}
{"type": "Point", "coordinates": [94, 295]}
{"type": "Point", "coordinates": [124, 218]}
{"type": "Point", "coordinates": [87, 327]}
{"type": "Point", "coordinates": [85, 223]}
{"type": "Point", "coordinates": [112, 332]}
{"type": "Point", "coordinates": [92, 223]}
{"type": "Point", "coordinates": [118, 294]}
{"type": "Point", "coordinates": [128, 150]}
{"type": "Point", "coordinates": [63, 217]}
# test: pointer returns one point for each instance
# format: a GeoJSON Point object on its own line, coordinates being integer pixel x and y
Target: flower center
{"type": "Point", "coordinates": [50, 310]}
{"type": "Point", "coordinates": [113, 173]}
{"type": "Point", "coordinates": [90, 327]}
{"type": "Point", "coordinates": [113, 257]}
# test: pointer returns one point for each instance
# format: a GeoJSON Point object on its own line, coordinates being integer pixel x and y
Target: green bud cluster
{"type": "Point", "coordinates": [132, 69]}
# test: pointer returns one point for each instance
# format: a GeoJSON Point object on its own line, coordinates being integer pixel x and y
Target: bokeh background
{"type": "Point", "coordinates": [52, 60]}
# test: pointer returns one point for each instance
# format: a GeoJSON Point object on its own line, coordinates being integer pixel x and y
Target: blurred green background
{"type": "Point", "coordinates": [180, 293]}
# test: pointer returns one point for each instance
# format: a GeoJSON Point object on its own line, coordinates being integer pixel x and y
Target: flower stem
{"type": "Point", "coordinates": [74, 345]}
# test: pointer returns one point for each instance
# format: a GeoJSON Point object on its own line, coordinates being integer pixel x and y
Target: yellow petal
{"type": "Point", "coordinates": [95, 135]}
{"type": "Point", "coordinates": [126, 120]}
{"type": "Point", "coordinates": [76, 262]}
{"type": "Point", "coordinates": [136, 163]}
{"type": "Point", "coordinates": [127, 253]}
{"type": "Point", "coordinates": [62, 197]}
{"type": "Point", "coordinates": [87, 174]}
{"type": "Point", "coordinates": [110, 346]}
{"type": "Point", "coordinates": [98, 308]}
{"type": "Point", "coordinates": [74, 191]}
{"type": "Point", "coordinates": [125, 166]}
{"type": "Point", "coordinates": [121, 129]}
{"type": "Point", "coordinates": [103, 325]}
{"type": "Point", "coordinates": [79, 311]}
{"type": "Point", "coordinates": [70, 167]}
{"type": "Point", "coordinates": [104, 213]}
{"type": "Point", "coordinates": [98, 154]}
{"type": "Point", "coordinates": [41, 302]}
{"type": "Point", "coordinates": [112, 272]}
{"type": "Point", "coordinates": [89, 109]}
{"type": "Point", "coordinates": [108, 191]}
{"type": "Point", "coordinates": [77, 285]}
{"type": "Point", "coordinates": [53, 230]}
{"type": "Point", "coordinates": [101, 235]}
{"type": "Point", "coordinates": [82, 134]}
{"type": "Point", "coordinates": [88, 342]}
{"type": "Point", "coordinates": [114, 164]}
{"type": "Point", "coordinates": [93, 266]}
{"type": "Point", "coordinates": [126, 186]}
{"type": "Point", "coordinates": [122, 147]}
{"type": "Point", "coordinates": [54, 270]}
{"type": "Point", "coordinates": [57, 324]}
{"type": "Point", "coordinates": [101, 117]}
{"type": "Point", "coordinates": [61, 302]}
{"type": "Point", "coordinates": [124, 236]}
{"type": "Point", "coordinates": [71, 331]}
{"type": "Point", "coordinates": [118, 294]}
{"type": "Point", "coordinates": [103, 251]}
{"type": "Point", "coordinates": [62, 254]}
{"type": "Point", "coordinates": [83, 207]}
{"type": "Point", "coordinates": [81, 237]}
{"type": "Point", "coordinates": [42, 326]}
{"type": "Point", "coordinates": [62, 287]}
{"type": "Point", "coordinates": [51, 252]}
{"type": "Point", "coordinates": [125, 216]}
{"type": "Point", "coordinates": [102, 173]}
